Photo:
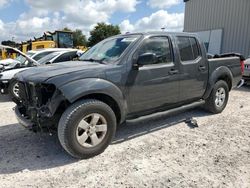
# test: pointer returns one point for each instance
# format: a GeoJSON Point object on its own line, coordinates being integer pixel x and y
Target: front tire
{"type": "Point", "coordinates": [86, 128]}
{"type": "Point", "coordinates": [218, 98]}
{"type": "Point", "coordinates": [13, 89]}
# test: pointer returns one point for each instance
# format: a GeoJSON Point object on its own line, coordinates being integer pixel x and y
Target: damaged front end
{"type": "Point", "coordinates": [39, 106]}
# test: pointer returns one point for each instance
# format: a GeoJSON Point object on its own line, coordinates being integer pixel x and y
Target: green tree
{"type": "Point", "coordinates": [101, 32]}
{"type": "Point", "coordinates": [79, 39]}
{"type": "Point", "coordinates": [67, 29]}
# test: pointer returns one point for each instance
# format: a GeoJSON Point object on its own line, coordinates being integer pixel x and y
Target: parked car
{"type": "Point", "coordinates": [246, 73]}
{"type": "Point", "coordinates": [21, 61]}
{"type": "Point", "coordinates": [8, 85]}
{"type": "Point", "coordinates": [62, 56]}
{"type": "Point", "coordinates": [123, 77]}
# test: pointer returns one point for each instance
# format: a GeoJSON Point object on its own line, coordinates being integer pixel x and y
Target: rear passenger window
{"type": "Point", "coordinates": [160, 46]}
{"type": "Point", "coordinates": [66, 57]}
{"type": "Point", "coordinates": [195, 48]}
{"type": "Point", "coordinates": [188, 48]}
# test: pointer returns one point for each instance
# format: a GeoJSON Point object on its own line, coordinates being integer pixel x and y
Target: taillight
{"type": "Point", "coordinates": [242, 65]}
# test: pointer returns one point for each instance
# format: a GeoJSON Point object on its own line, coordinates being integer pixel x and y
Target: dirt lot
{"type": "Point", "coordinates": [160, 152]}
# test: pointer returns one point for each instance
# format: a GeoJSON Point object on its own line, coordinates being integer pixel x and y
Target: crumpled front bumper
{"type": "Point", "coordinates": [23, 120]}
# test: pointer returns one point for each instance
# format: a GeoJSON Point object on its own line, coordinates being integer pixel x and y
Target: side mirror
{"type": "Point", "coordinates": [18, 65]}
{"type": "Point", "coordinates": [147, 59]}
{"type": "Point", "coordinates": [48, 63]}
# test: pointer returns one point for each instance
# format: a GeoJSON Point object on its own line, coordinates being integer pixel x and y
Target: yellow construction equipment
{"type": "Point", "coordinates": [57, 39]}
{"type": "Point", "coordinates": [25, 47]}
{"type": "Point", "coordinates": [37, 45]}
{"type": "Point", "coordinates": [4, 54]}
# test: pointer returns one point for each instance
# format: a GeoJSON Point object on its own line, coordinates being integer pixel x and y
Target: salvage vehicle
{"type": "Point", "coordinates": [21, 61]}
{"type": "Point", "coordinates": [123, 77]}
{"type": "Point", "coordinates": [246, 73]}
{"type": "Point", "coordinates": [8, 85]}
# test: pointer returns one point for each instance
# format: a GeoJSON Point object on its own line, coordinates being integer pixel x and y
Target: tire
{"type": "Point", "coordinates": [72, 130]}
{"type": "Point", "coordinates": [12, 89]}
{"type": "Point", "coordinates": [213, 103]}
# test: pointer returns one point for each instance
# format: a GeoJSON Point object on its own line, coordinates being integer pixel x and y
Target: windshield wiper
{"type": "Point", "coordinates": [101, 61]}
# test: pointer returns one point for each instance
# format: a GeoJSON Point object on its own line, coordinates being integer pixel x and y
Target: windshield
{"type": "Point", "coordinates": [109, 50]}
{"type": "Point", "coordinates": [22, 59]}
{"type": "Point", "coordinates": [47, 58]}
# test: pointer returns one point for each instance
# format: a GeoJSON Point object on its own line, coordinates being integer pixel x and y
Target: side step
{"type": "Point", "coordinates": [172, 111]}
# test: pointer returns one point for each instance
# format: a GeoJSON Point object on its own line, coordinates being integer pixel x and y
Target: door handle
{"type": "Point", "coordinates": [173, 71]}
{"type": "Point", "coordinates": [202, 68]}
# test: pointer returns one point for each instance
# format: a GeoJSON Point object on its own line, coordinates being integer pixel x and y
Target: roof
{"type": "Point", "coordinates": [53, 49]}
{"type": "Point", "coordinates": [159, 33]}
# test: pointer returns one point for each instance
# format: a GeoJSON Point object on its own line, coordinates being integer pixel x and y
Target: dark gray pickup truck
{"type": "Point", "coordinates": [123, 77]}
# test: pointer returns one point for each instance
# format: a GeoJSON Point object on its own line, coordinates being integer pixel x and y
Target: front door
{"type": "Point", "coordinates": [154, 85]}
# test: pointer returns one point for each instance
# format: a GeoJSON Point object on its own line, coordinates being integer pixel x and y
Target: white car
{"type": "Point", "coordinates": [60, 56]}
{"type": "Point", "coordinates": [21, 61]}
{"type": "Point", "coordinates": [9, 85]}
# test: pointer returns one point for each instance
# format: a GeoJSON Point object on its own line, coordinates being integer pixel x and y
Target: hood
{"type": "Point", "coordinates": [60, 73]}
{"type": "Point", "coordinates": [7, 62]}
{"type": "Point", "coordinates": [8, 75]}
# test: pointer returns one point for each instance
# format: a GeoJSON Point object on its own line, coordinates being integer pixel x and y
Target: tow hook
{"type": "Point", "coordinates": [241, 83]}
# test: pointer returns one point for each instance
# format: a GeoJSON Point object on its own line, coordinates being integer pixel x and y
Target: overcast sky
{"type": "Point", "coordinates": [24, 19]}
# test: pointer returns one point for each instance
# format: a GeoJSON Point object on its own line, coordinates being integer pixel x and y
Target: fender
{"type": "Point", "coordinates": [220, 72]}
{"type": "Point", "coordinates": [77, 89]}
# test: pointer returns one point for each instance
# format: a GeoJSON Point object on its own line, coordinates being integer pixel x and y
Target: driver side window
{"type": "Point", "coordinates": [159, 46]}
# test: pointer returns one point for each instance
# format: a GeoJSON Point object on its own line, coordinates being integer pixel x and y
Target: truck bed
{"type": "Point", "coordinates": [232, 63]}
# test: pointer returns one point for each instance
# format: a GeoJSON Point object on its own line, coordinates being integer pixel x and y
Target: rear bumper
{"type": "Point", "coordinates": [22, 120]}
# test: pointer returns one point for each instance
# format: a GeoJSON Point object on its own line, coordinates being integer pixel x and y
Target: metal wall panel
{"type": "Point", "coordinates": [233, 16]}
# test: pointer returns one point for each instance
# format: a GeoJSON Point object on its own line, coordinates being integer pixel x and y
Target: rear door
{"type": "Point", "coordinates": [193, 68]}
{"type": "Point", "coordinates": [155, 85]}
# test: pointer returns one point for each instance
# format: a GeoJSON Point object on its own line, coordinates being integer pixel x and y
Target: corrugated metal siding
{"type": "Point", "coordinates": [233, 16]}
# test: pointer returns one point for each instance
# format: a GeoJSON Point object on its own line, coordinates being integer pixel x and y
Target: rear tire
{"type": "Point", "coordinates": [86, 128]}
{"type": "Point", "coordinates": [217, 101]}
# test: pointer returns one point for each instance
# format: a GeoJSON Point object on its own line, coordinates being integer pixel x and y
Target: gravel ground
{"type": "Point", "coordinates": [159, 152]}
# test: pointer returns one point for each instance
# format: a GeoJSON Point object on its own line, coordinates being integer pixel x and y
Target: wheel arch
{"type": "Point", "coordinates": [221, 73]}
{"type": "Point", "coordinates": [99, 89]}
{"type": "Point", "coordinates": [107, 100]}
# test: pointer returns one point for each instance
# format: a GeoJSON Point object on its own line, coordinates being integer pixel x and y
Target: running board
{"type": "Point", "coordinates": [172, 111]}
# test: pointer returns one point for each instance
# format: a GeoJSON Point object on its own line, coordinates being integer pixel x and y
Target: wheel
{"type": "Point", "coordinates": [86, 128]}
{"type": "Point", "coordinates": [218, 98]}
{"type": "Point", "coordinates": [14, 89]}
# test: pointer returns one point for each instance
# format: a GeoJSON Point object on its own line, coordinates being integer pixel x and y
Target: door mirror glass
{"type": "Point", "coordinates": [147, 59]}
